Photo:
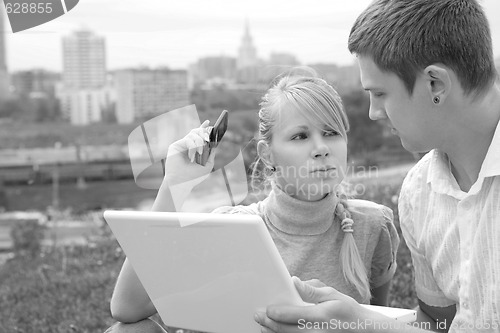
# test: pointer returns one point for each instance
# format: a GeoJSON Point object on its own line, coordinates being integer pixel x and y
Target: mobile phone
{"type": "Point", "coordinates": [215, 135]}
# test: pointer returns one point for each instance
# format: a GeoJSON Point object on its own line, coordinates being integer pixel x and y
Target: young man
{"type": "Point", "coordinates": [429, 69]}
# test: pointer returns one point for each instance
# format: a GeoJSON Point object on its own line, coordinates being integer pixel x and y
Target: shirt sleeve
{"type": "Point", "coordinates": [425, 285]}
{"type": "Point", "coordinates": [384, 257]}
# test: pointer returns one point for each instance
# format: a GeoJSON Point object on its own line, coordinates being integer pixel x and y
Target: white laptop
{"type": "Point", "coordinates": [206, 272]}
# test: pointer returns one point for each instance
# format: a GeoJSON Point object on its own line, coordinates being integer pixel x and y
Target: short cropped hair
{"type": "Point", "coordinates": [405, 36]}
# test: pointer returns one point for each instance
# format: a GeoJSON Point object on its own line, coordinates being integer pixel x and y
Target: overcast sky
{"type": "Point", "coordinates": [177, 33]}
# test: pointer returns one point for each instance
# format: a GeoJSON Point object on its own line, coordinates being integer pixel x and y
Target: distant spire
{"type": "Point", "coordinates": [247, 52]}
{"type": "Point", "coordinates": [247, 28]}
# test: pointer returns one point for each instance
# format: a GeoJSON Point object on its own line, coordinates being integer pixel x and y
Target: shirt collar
{"type": "Point", "coordinates": [491, 163]}
{"type": "Point", "coordinates": [441, 179]}
{"type": "Point", "coordinates": [439, 175]}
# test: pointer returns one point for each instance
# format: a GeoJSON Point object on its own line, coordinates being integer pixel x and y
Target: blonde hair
{"type": "Point", "coordinates": [320, 102]}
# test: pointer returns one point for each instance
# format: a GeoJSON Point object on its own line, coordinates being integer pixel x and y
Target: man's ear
{"type": "Point", "coordinates": [264, 152]}
{"type": "Point", "coordinates": [439, 82]}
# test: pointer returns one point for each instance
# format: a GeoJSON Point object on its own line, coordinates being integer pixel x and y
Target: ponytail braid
{"type": "Point", "coordinates": [353, 267]}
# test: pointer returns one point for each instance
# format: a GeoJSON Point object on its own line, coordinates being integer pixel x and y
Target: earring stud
{"type": "Point", "coordinates": [436, 100]}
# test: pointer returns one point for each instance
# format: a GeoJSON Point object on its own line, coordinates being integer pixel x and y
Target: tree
{"type": "Point", "coordinates": [18, 108]}
{"type": "Point", "coordinates": [109, 114]}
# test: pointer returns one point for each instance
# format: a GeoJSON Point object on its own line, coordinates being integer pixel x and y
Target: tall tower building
{"type": "Point", "coordinates": [84, 61]}
{"type": "Point", "coordinates": [247, 56]}
{"type": "Point", "coordinates": [247, 63]}
{"type": "Point", "coordinates": [4, 75]}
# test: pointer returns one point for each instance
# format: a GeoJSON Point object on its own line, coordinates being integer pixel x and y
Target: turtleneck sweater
{"type": "Point", "coordinates": [297, 217]}
{"type": "Point", "coordinates": [308, 237]}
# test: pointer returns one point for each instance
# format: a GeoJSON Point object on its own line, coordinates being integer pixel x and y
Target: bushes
{"type": "Point", "coordinates": [27, 236]}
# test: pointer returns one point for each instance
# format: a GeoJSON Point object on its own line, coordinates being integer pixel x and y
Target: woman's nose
{"type": "Point", "coordinates": [320, 148]}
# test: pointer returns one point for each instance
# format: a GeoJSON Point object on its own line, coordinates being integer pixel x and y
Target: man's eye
{"type": "Point", "coordinates": [378, 94]}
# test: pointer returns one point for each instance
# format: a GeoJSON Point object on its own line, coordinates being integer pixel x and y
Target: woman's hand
{"type": "Point", "coordinates": [180, 165]}
{"type": "Point", "coordinates": [313, 282]}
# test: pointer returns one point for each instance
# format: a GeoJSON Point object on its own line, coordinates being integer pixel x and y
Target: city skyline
{"type": "Point", "coordinates": [177, 34]}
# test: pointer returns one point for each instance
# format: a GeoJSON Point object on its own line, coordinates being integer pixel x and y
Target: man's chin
{"type": "Point", "coordinates": [412, 148]}
{"type": "Point", "coordinates": [406, 146]}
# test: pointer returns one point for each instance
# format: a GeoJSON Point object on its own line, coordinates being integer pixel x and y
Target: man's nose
{"type": "Point", "coordinates": [376, 112]}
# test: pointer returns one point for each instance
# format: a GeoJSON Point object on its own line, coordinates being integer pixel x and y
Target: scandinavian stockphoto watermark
{"type": "Point", "coordinates": [26, 14]}
{"type": "Point", "coordinates": [316, 180]}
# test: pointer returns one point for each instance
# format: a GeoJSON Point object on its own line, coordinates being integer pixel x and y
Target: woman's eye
{"type": "Point", "coordinates": [331, 133]}
{"type": "Point", "coordinates": [299, 136]}
{"type": "Point", "coordinates": [378, 94]}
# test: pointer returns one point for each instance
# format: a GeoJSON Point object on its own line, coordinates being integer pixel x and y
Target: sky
{"type": "Point", "coordinates": [177, 33]}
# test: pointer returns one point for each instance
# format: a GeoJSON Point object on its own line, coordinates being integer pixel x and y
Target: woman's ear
{"type": "Point", "coordinates": [439, 83]}
{"type": "Point", "coordinates": [264, 152]}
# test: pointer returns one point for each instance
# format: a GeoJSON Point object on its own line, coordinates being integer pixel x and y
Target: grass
{"type": "Point", "coordinates": [67, 289]}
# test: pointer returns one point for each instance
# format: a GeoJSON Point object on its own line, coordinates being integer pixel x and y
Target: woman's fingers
{"type": "Point", "coordinates": [205, 132]}
{"type": "Point", "coordinates": [196, 140]}
{"type": "Point", "coordinates": [205, 124]}
{"type": "Point", "coordinates": [193, 142]}
{"type": "Point", "coordinates": [315, 283]}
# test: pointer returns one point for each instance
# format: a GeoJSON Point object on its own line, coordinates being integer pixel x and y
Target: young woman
{"type": "Point", "coordinates": [302, 152]}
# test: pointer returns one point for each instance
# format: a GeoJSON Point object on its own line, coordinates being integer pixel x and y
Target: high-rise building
{"type": "Point", "coordinates": [84, 61]}
{"type": "Point", "coordinates": [283, 59]}
{"type": "Point", "coordinates": [247, 55]}
{"type": "Point", "coordinates": [83, 94]}
{"type": "Point", "coordinates": [4, 75]}
{"type": "Point", "coordinates": [220, 69]}
{"type": "Point", "coordinates": [247, 62]}
{"type": "Point", "coordinates": [146, 93]}
{"type": "Point", "coordinates": [34, 83]}
{"type": "Point", "coordinates": [277, 64]}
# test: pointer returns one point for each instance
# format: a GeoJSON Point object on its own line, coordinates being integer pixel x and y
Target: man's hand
{"type": "Point", "coordinates": [327, 302]}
